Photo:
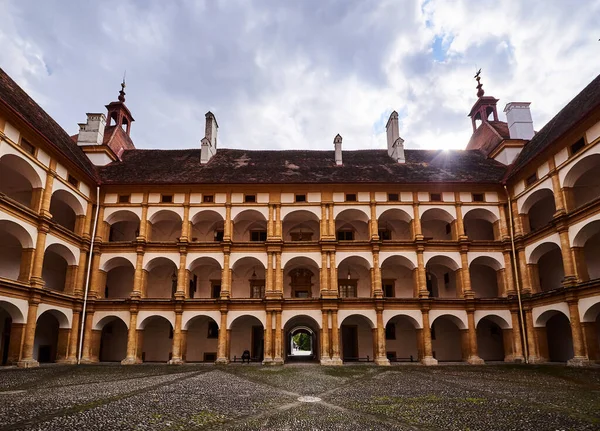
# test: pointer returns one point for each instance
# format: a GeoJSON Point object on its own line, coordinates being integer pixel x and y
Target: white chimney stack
{"type": "Point", "coordinates": [395, 143]}
{"type": "Point", "coordinates": [92, 132]}
{"type": "Point", "coordinates": [337, 143]}
{"type": "Point", "coordinates": [518, 117]}
{"type": "Point", "coordinates": [209, 142]}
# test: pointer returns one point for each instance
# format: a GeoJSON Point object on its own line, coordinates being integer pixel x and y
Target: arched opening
{"type": "Point", "coordinates": [447, 338]}
{"type": "Point", "coordinates": [547, 270]}
{"type": "Point", "coordinates": [19, 181]}
{"type": "Point", "coordinates": [401, 338]}
{"type": "Point", "coordinates": [16, 251]}
{"type": "Point", "coordinates": [164, 226]}
{"type": "Point", "coordinates": [301, 278]}
{"type": "Point", "coordinates": [539, 208]}
{"type": "Point", "coordinates": [558, 337]}
{"type": "Point", "coordinates": [250, 225]}
{"type": "Point", "coordinates": [486, 277]}
{"type": "Point", "coordinates": [113, 340]}
{"type": "Point", "coordinates": [352, 225]}
{"type": "Point", "coordinates": [395, 224]}
{"type": "Point", "coordinates": [301, 226]}
{"type": "Point", "coordinates": [205, 278]}
{"type": "Point", "coordinates": [59, 268]}
{"type": "Point", "coordinates": [157, 339]}
{"type": "Point", "coordinates": [202, 340]}
{"type": "Point", "coordinates": [248, 279]}
{"type": "Point", "coordinates": [480, 225]}
{"type": "Point", "coordinates": [5, 330]}
{"type": "Point", "coordinates": [207, 226]}
{"type": "Point", "coordinates": [10, 344]}
{"type": "Point", "coordinates": [441, 276]}
{"type": "Point", "coordinates": [591, 328]}
{"type": "Point", "coordinates": [120, 275]}
{"type": "Point", "coordinates": [586, 247]}
{"type": "Point", "coordinates": [301, 339]}
{"type": "Point", "coordinates": [47, 334]}
{"type": "Point", "coordinates": [354, 278]}
{"type": "Point", "coordinates": [357, 339]}
{"type": "Point", "coordinates": [398, 278]}
{"type": "Point", "coordinates": [65, 208]}
{"type": "Point", "coordinates": [582, 183]}
{"type": "Point", "coordinates": [124, 226]}
{"type": "Point", "coordinates": [490, 338]}
{"type": "Point", "coordinates": [247, 333]}
{"type": "Point", "coordinates": [161, 278]}
{"type": "Point", "coordinates": [438, 224]}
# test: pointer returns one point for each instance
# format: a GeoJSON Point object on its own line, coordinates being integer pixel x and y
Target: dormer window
{"type": "Point", "coordinates": [124, 199]}
{"type": "Point", "coordinates": [208, 199]}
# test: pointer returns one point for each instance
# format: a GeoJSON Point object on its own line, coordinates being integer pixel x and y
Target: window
{"type": "Point", "coordinates": [72, 180]}
{"type": "Point", "coordinates": [478, 197]}
{"type": "Point", "coordinates": [208, 199]}
{"type": "Point", "coordinates": [258, 235]}
{"type": "Point", "coordinates": [27, 147]}
{"type": "Point", "coordinates": [577, 146]}
{"type": "Point", "coordinates": [531, 179]}
{"type": "Point", "coordinates": [393, 197]}
{"type": "Point", "coordinates": [213, 330]}
{"type": "Point", "coordinates": [215, 289]}
{"type": "Point", "coordinates": [347, 288]}
{"type": "Point", "coordinates": [385, 234]}
{"type": "Point", "coordinates": [166, 199]}
{"type": "Point", "coordinates": [390, 331]}
{"type": "Point", "coordinates": [345, 235]}
{"type": "Point", "coordinates": [219, 234]}
{"type": "Point", "coordinates": [388, 288]}
{"type": "Point", "coordinates": [435, 197]}
{"type": "Point", "coordinates": [301, 236]}
{"type": "Point", "coordinates": [123, 199]}
{"type": "Point", "coordinates": [350, 197]}
{"type": "Point", "coordinates": [301, 282]}
{"type": "Point", "coordinates": [249, 198]}
{"type": "Point", "coordinates": [300, 198]}
{"type": "Point", "coordinates": [257, 289]}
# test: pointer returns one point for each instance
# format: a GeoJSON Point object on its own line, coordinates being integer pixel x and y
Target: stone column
{"type": "Point", "coordinates": [86, 351]}
{"type": "Point", "coordinates": [565, 249]}
{"type": "Point", "coordinates": [269, 274]}
{"type": "Point", "coordinates": [278, 360]}
{"type": "Point", "coordinates": [144, 223]}
{"type": "Point", "coordinates": [335, 339]}
{"type": "Point", "coordinates": [268, 357]}
{"type": "Point", "coordinates": [581, 269]}
{"type": "Point", "coordinates": [510, 287]}
{"type": "Point", "coordinates": [333, 283]}
{"type": "Point", "coordinates": [325, 358]}
{"type": "Point", "coordinates": [278, 274]}
{"type": "Point", "coordinates": [559, 201]}
{"type": "Point", "coordinates": [474, 358]}
{"type": "Point", "coordinates": [176, 358]}
{"type": "Point", "coordinates": [381, 358]}
{"type": "Point", "coordinates": [534, 357]}
{"type": "Point", "coordinates": [460, 228]}
{"type": "Point", "coordinates": [377, 289]}
{"type": "Point", "coordinates": [421, 274]}
{"type": "Point", "coordinates": [590, 335]}
{"type": "Point", "coordinates": [503, 227]}
{"type": "Point", "coordinates": [517, 342]}
{"type": "Point", "coordinates": [180, 293]}
{"type": "Point", "coordinates": [96, 290]}
{"type": "Point", "coordinates": [517, 219]}
{"type": "Point", "coordinates": [580, 357]}
{"type": "Point", "coordinates": [428, 358]}
{"type": "Point", "coordinates": [331, 221]}
{"type": "Point", "coordinates": [26, 262]}
{"type": "Point", "coordinates": [87, 222]}
{"type": "Point", "coordinates": [417, 218]}
{"type": "Point", "coordinates": [526, 282]}
{"type": "Point", "coordinates": [38, 256]}
{"type": "Point", "coordinates": [466, 276]}
{"type": "Point", "coordinates": [62, 345]}
{"type": "Point", "coordinates": [17, 336]}
{"type": "Point", "coordinates": [323, 273]}
{"type": "Point", "coordinates": [227, 226]}
{"type": "Point", "coordinates": [225, 276]}
{"type": "Point", "coordinates": [185, 224]}
{"type": "Point", "coordinates": [278, 221]}
{"type": "Point", "coordinates": [27, 360]}
{"type": "Point", "coordinates": [132, 338]}
{"type": "Point", "coordinates": [222, 357]}
{"type": "Point", "coordinates": [72, 355]}
{"type": "Point", "coordinates": [270, 223]}
{"type": "Point", "coordinates": [374, 222]}
{"type": "Point", "coordinates": [47, 193]}
{"type": "Point", "coordinates": [323, 222]}
{"type": "Point", "coordinates": [79, 287]}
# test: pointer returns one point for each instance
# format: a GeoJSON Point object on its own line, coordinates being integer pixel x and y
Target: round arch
{"type": "Point", "coordinates": [164, 215]}
{"type": "Point", "coordinates": [203, 261]}
{"type": "Point", "coordinates": [395, 214]}
{"type": "Point", "coordinates": [459, 321]}
{"type": "Point", "coordinates": [122, 215]}
{"type": "Point", "coordinates": [586, 232]}
{"type": "Point", "coordinates": [115, 262]}
{"type": "Point", "coordinates": [69, 199]}
{"type": "Point", "coordinates": [293, 262]}
{"type": "Point", "coordinates": [23, 167]}
{"type": "Point", "coordinates": [397, 259]}
{"type": "Point", "coordinates": [192, 317]}
{"type": "Point", "coordinates": [18, 232]}
{"type": "Point", "coordinates": [487, 261]}
{"type": "Point", "coordinates": [369, 315]}
{"type": "Point", "coordinates": [314, 212]}
{"type": "Point", "coordinates": [62, 318]}
{"type": "Point", "coordinates": [443, 260]}
{"type": "Point", "coordinates": [209, 216]}
{"type": "Point", "coordinates": [251, 214]}
{"type": "Point", "coordinates": [153, 317]}
{"type": "Point", "coordinates": [15, 313]}
{"type": "Point", "coordinates": [546, 315]}
{"type": "Point", "coordinates": [535, 197]}
{"type": "Point", "coordinates": [108, 319]}
{"type": "Point", "coordinates": [392, 314]}
{"type": "Point", "coordinates": [160, 260]}
{"type": "Point", "coordinates": [582, 166]}
{"type": "Point", "coordinates": [540, 250]}
{"type": "Point", "coordinates": [63, 251]}
{"type": "Point", "coordinates": [481, 213]}
{"type": "Point", "coordinates": [496, 318]}
{"type": "Point", "coordinates": [360, 213]}
{"type": "Point", "coordinates": [437, 214]}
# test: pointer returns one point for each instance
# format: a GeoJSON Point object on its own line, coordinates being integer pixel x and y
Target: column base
{"type": "Point", "coordinates": [579, 361]}
{"type": "Point", "coordinates": [514, 359]}
{"type": "Point", "coordinates": [475, 360]}
{"type": "Point", "coordinates": [267, 361]}
{"type": "Point", "coordinates": [382, 361]}
{"type": "Point", "coordinates": [325, 361]}
{"type": "Point", "coordinates": [130, 361]}
{"type": "Point", "coordinates": [28, 363]}
{"type": "Point", "coordinates": [335, 361]}
{"type": "Point", "coordinates": [277, 361]}
{"type": "Point", "coordinates": [536, 360]}
{"type": "Point", "coordinates": [176, 361]}
{"type": "Point", "coordinates": [221, 361]}
{"type": "Point", "coordinates": [67, 361]}
{"type": "Point", "coordinates": [88, 361]}
{"type": "Point", "coordinates": [429, 360]}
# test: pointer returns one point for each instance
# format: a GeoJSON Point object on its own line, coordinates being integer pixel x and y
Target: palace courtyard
{"type": "Point", "coordinates": [252, 397]}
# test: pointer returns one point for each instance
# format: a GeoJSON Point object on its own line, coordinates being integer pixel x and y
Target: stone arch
{"type": "Point", "coordinates": [113, 338]}
{"type": "Point", "coordinates": [586, 248]}
{"type": "Point", "coordinates": [58, 267]}
{"type": "Point", "coordinates": [369, 315]}
{"type": "Point", "coordinates": [446, 337]}
{"type": "Point", "coordinates": [205, 277]}
{"type": "Point", "coordinates": [459, 321]}
{"type": "Point", "coordinates": [161, 279]}
{"type": "Point", "coordinates": [486, 278]}
{"type": "Point", "coordinates": [581, 184]}
{"type": "Point", "coordinates": [480, 224]}
{"type": "Point", "coordinates": [301, 323]}
{"type": "Point", "coordinates": [356, 337]}
{"type": "Point", "coordinates": [490, 338]}
{"type": "Point", "coordinates": [65, 208]}
{"type": "Point", "coordinates": [547, 271]}
{"type": "Point", "coordinates": [301, 225]}
{"type": "Point", "coordinates": [301, 278]}
{"type": "Point", "coordinates": [18, 180]}
{"type": "Point", "coordinates": [496, 317]}
{"type": "Point", "coordinates": [248, 278]}
{"type": "Point", "coordinates": [355, 221]}
{"type": "Point", "coordinates": [247, 222]}
{"type": "Point", "coordinates": [164, 225]}
{"type": "Point", "coordinates": [558, 343]}
{"type": "Point", "coordinates": [17, 245]}
{"type": "Point", "coordinates": [398, 277]}
{"type": "Point", "coordinates": [207, 225]}
{"type": "Point", "coordinates": [156, 337]}
{"type": "Point", "coordinates": [418, 324]}
{"type": "Point", "coordinates": [124, 225]}
{"type": "Point", "coordinates": [441, 276]}
{"type": "Point", "coordinates": [402, 337]}
{"type": "Point", "coordinates": [354, 277]}
{"type": "Point", "coordinates": [394, 224]}
{"type": "Point", "coordinates": [438, 224]}
{"type": "Point", "coordinates": [246, 333]}
{"type": "Point", "coordinates": [202, 338]}
{"type": "Point", "coordinates": [539, 208]}
{"type": "Point", "coordinates": [47, 334]}
{"type": "Point", "coordinates": [13, 310]}
{"type": "Point", "coordinates": [18, 231]}
{"type": "Point", "coordinates": [546, 315]}
{"type": "Point", "coordinates": [590, 311]}
{"type": "Point", "coordinates": [120, 274]}
{"type": "Point", "coordinates": [102, 322]}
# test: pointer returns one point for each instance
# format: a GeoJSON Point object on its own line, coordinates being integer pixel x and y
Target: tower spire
{"type": "Point", "coordinates": [480, 91]}
{"type": "Point", "coordinates": [122, 92]}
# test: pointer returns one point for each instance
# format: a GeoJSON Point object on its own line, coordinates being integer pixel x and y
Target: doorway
{"type": "Point", "coordinates": [350, 342]}
{"type": "Point", "coordinates": [257, 342]}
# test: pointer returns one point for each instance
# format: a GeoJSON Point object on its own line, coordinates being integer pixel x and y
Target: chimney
{"type": "Point", "coordinates": [337, 143]}
{"type": "Point", "coordinates": [209, 142]}
{"type": "Point", "coordinates": [395, 143]}
{"type": "Point", "coordinates": [92, 132]}
{"type": "Point", "coordinates": [518, 117]}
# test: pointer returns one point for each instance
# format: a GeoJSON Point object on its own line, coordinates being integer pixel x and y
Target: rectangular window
{"type": "Point", "coordinates": [385, 234]}
{"type": "Point", "coordinates": [435, 197]}
{"type": "Point", "coordinates": [393, 197]}
{"type": "Point", "coordinates": [72, 180]}
{"type": "Point", "coordinates": [388, 288]}
{"type": "Point", "coordinates": [478, 197]}
{"type": "Point", "coordinates": [213, 330]}
{"type": "Point", "coordinates": [124, 199]}
{"type": "Point", "coordinates": [577, 146]}
{"type": "Point", "coordinates": [215, 290]}
{"type": "Point", "coordinates": [531, 179]}
{"type": "Point", "coordinates": [300, 198]}
{"type": "Point", "coordinates": [345, 235]}
{"type": "Point", "coordinates": [350, 197]}
{"type": "Point", "coordinates": [219, 234]}
{"type": "Point", "coordinates": [166, 199]}
{"type": "Point", "coordinates": [257, 289]}
{"type": "Point", "coordinates": [249, 198]}
{"type": "Point", "coordinates": [207, 199]}
{"type": "Point", "coordinates": [347, 288]}
{"type": "Point", "coordinates": [301, 236]}
{"type": "Point", "coordinates": [258, 235]}
{"type": "Point", "coordinates": [27, 147]}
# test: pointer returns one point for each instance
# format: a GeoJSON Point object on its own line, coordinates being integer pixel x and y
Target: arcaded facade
{"type": "Point", "coordinates": [111, 253]}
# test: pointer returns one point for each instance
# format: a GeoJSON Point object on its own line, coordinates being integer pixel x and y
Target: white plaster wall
{"type": "Point", "coordinates": [261, 315]}
{"type": "Point", "coordinates": [105, 259]}
{"type": "Point", "coordinates": [237, 210]}
{"type": "Point", "coordinates": [79, 209]}
{"type": "Point", "coordinates": [12, 132]}
{"type": "Point", "coordinates": [496, 255]}
{"type": "Point", "coordinates": [287, 210]}
{"type": "Point", "coordinates": [584, 305]}
{"type": "Point", "coordinates": [191, 257]}
{"type": "Point", "coordinates": [31, 230]}
{"type": "Point", "coordinates": [459, 314]}
{"type": "Point", "coordinates": [315, 279]}
{"type": "Point", "coordinates": [450, 209]}
{"type": "Point", "coordinates": [147, 314]}
{"type": "Point", "coordinates": [454, 255]}
{"type": "Point", "coordinates": [408, 209]}
{"type": "Point", "coordinates": [338, 209]}
{"type": "Point", "coordinates": [173, 257]}
{"type": "Point", "coordinates": [313, 197]}
{"type": "Point", "coordinates": [341, 255]}
{"type": "Point", "coordinates": [99, 159]}
{"type": "Point", "coordinates": [561, 157]}
{"type": "Point", "coordinates": [71, 260]}
{"type": "Point", "coordinates": [205, 274]}
{"type": "Point", "coordinates": [317, 315]}
{"type": "Point", "coordinates": [484, 281]}
{"type": "Point", "coordinates": [410, 255]}
{"type": "Point", "coordinates": [108, 211]}
{"type": "Point", "coordinates": [553, 238]}
{"type": "Point", "coordinates": [314, 256]}
{"type": "Point", "coordinates": [218, 209]}
{"type": "Point", "coordinates": [187, 316]}
{"type": "Point", "coordinates": [371, 315]}
{"type": "Point", "coordinates": [546, 184]}
{"type": "Point", "coordinates": [120, 282]}
{"type": "Point", "coordinates": [6, 148]}
{"type": "Point", "coordinates": [495, 315]}
{"type": "Point", "coordinates": [159, 283]}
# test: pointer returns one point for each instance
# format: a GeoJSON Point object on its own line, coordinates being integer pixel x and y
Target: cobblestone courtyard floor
{"type": "Point", "coordinates": [236, 397]}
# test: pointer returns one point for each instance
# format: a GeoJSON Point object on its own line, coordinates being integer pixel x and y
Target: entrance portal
{"type": "Point", "coordinates": [301, 344]}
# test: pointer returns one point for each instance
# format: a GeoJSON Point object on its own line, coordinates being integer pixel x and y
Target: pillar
{"type": "Point", "coordinates": [86, 351]}
{"type": "Point", "coordinates": [567, 257]}
{"type": "Point", "coordinates": [269, 274]}
{"type": "Point", "coordinates": [503, 228]}
{"type": "Point", "coordinates": [222, 354]}
{"type": "Point", "coordinates": [47, 193]}
{"type": "Point", "coordinates": [580, 264]}
{"type": "Point", "coordinates": [460, 228]}
{"type": "Point", "coordinates": [534, 356]}
{"type": "Point", "coordinates": [27, 360]}
{"type": "Point", "coordinates": [176, 357]}
{"type": "Point", "coordinates": [526, 282]}
{"type": "Point", "coordinates": [323, 222]}
{"type": "Point", "coordinates": [278, 360]}
{"type": "Point", "coordinates": [38, 256]}
{"type": "Point", "coordinates": [95, 279]}
{"type": "Point", "coordinates": [421, 275]}
{"type": "Point", "coordinates": [72, 354]}
{"type": "Point", "coordinates": [132, 338]}
{"type": "Point", "coordinates": [62, 345]}
{"type": "Point", "coordinates": [374, 223]}
{"type": "Point", "coordinates": [323, 273]}
{"type": "Point", "coordinates": [87, 222]}
{"type": "Point", "coordinates": [270, 230]}
{"type": "Point", "coordinates": [227, 225]}
{"type": "Point", "coordinates": [580, 357]}
{"type": "Point", "coordinates": [335, 339]}
{"type": "Point", "coordinates": [559, 201]}
{"type": "Point", "coordinates": [331, 221]}
{"type": "Point", "coordinates": [381, 358]}
{"type": "Point", "coordinates": [144, 223]}
{"type": "Point", "coordinates": [278, 274]}
{"type": "Point", "coordinates": [225, 276]}
{"type": "Point", "coordinates": [79, 286]}
{"type": "Point", "coordinates": [17, 335]}
{"type": "Point", "coordinates": [185, 224]}
{"type": "Point", "coordinates": [517, 219]}
{"type": "Point", "coordinates": [466, 276]}
{"type": "Point", "coordinates": [333, 277]}
{"type": "Point", "coordinates": [427, 358]}
{"type": "Point", "coordinates": [278, 221]}
{"type": "Point", "coordinates": [268, 356]}
{"type": "Point", "coordinates": [325, 358]}
{"type": "Point", "coordinates": [180, 293]}
{"type": "Point", "coordinates": [517, 342]}
{"type": "Point", "coordinates": [473, 358]}
{"type": "Point", "coordinates": [417, 218]}
{"type": "Point", "coordinates": [25, 266]}
{"type": "Point", "coordinates": [509, 281]}
{"type": "Point", "coordinates": [590, 336]}
{"type": "Point", "coordinates": [377, 289]}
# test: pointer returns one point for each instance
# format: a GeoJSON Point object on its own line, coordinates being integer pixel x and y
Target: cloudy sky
{"type": "Point", "coordinates": [292, 74]}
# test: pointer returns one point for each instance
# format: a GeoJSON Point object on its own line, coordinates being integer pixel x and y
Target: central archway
{"type": "Point", "coordinates": [301, 339]}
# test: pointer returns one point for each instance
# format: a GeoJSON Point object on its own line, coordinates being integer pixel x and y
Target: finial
{"type": "Point", "coordinates": [122, 92]}
{"type": "Point", "coordinates": [480, 91]}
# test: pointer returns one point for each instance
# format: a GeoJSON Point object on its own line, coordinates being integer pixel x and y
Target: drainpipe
{"type": "Point", "coordinates": [87, 277]}
{"type": "Point", "coordinates": [516, 277]}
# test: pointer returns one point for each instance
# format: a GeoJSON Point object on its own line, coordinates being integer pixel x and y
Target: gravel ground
{"type": "Point", "coordinates": [242, 397]}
